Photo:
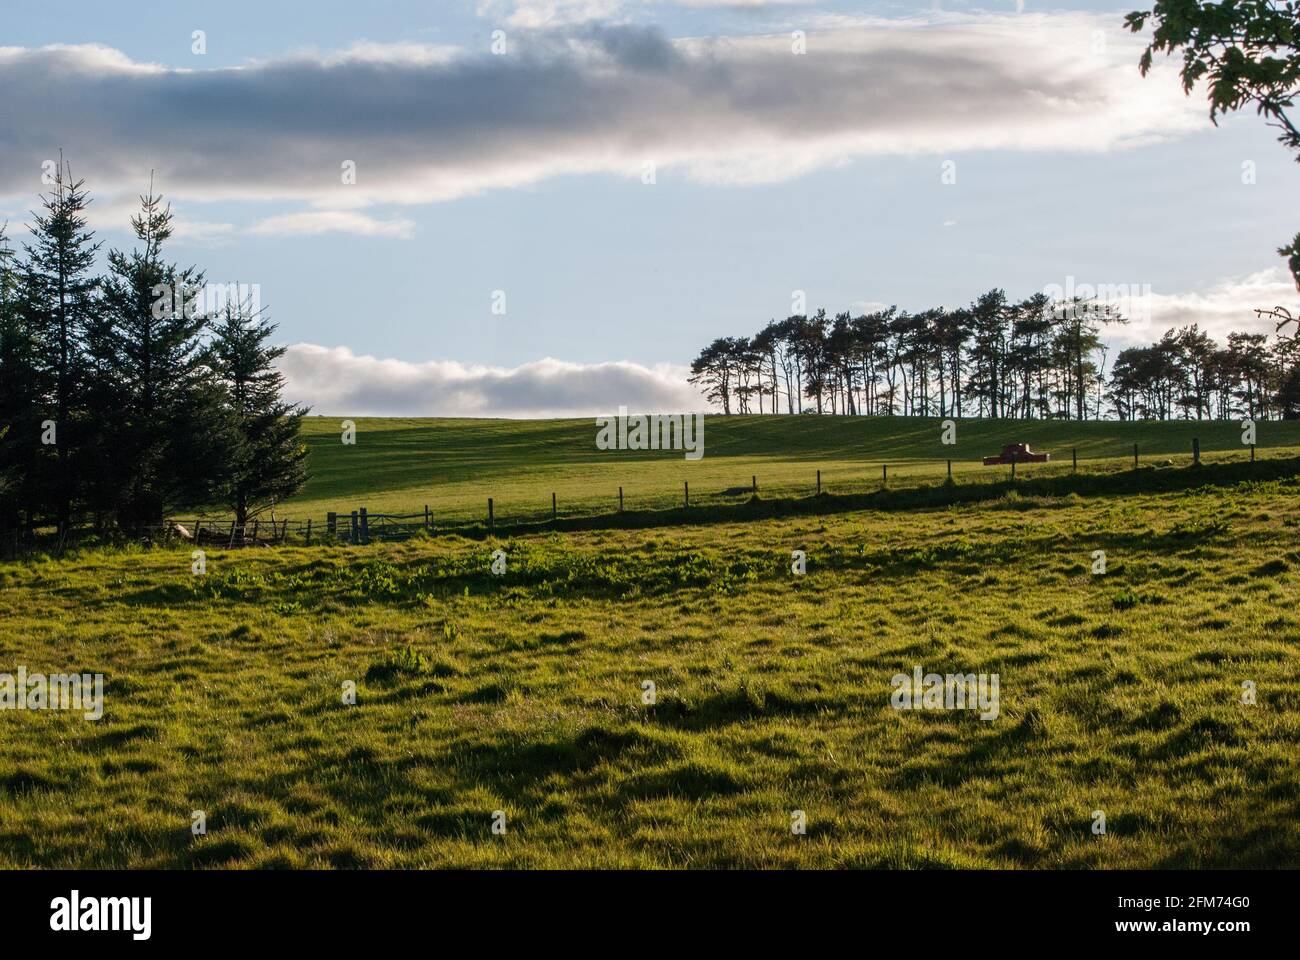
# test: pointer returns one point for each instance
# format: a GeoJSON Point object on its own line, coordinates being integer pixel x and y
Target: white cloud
{"type": "Point", "coordinates": [749, 4]}
{"type": "Point", "coordinates": [536, 14]}
{"type": "Point", "coordinates": [331, 221]}
{"type": "Point", "coordinates": [424, 124]}
{"type": "Point", "coordinates": [1226, 306]}
{"type": "Point", "coordinates": [334, 380]}
{"type": "Point", "coordinates": [199, 231]}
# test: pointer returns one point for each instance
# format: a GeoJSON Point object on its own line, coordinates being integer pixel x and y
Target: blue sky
{"type": "Point", "coordinates": [523, 173]}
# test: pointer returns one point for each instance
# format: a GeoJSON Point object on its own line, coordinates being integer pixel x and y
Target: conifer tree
{"type": "Point", "coordinates": [165, 434]}
{"type": "Point", "coordinates": [61, 301]}
{"type": "Point", "coordinates": [18, 394]}
{"type": "Point", "coordinates": [267, 460]}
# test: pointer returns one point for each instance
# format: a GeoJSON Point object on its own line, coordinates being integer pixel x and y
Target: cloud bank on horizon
{"type": "Point", "coordinates": [335, 381]}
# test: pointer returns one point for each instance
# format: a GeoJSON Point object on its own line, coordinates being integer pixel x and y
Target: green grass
{"type": "Point", "coordinates": [455, 465]}
{"type": "Point", "coordinates": [523, 693]}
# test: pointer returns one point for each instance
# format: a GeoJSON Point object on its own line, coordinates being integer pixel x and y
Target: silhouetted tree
{"type": "Point", "coordinates": [60, 297]}
{"type": "Point", "coordinates": [266, 461]}
{"type": "Point", "coordinates": [169, 438]}
{"type": "Point", "coordinates": [1247, 51]}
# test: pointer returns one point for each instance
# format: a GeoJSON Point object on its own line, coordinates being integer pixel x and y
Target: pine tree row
{"type": "Point", "coordinates": [122, 397]}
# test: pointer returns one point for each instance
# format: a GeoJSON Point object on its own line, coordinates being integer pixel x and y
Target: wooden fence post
{"type": "Point", "coordinates": [365, 526]}
{"type": "Point", "coordinates": [491, 516]}
{"type": "Point", "coordinates": [753, 484]}
{"type": "Point", "coordinates": [352, 533]}
{"type": "Point", "coordinates": [1074, 459]}
{"type": "Point", "coordinates": [309, 531]}
{"type": "Point", "coordinates": [331, 524]}
{"type": "Point", "coordinates": [1013, 470]}
{"type": "Point", "coordinates": [819, 483]}
{"type": "Point", "coordinates": [950, 471]}
{"type": "Point", "coordinates": [620, 499]}
{"type": "Point", "coordinates": [686, 492]}
{"type": "Point", "coordinates": [552, 506]}
{"type": "Point", "coordinates": [1196, 452]}
{"type": "Point", "coordinates": [1252, 453]}
{"type": "Point", "coordinates": [884, 474]}
{"type": "Point", "coordinates": [1135, 456]}
{"type": "Point", "coordinates": [426, 516]}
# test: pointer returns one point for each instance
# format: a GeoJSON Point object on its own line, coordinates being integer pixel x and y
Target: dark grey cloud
{"type": "Point", "coordinates": [425, 124]}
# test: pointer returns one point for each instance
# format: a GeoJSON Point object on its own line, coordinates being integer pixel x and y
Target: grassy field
{"type": "Point", "coordinates": [523, 692]}
{"type": "Point", "coordinates": [455, 465]}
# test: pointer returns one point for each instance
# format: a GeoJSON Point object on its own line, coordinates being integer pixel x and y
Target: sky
{"type": "Point", "coordinates": [548, 207]}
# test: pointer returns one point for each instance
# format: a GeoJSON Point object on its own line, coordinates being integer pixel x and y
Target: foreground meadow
{"type": "Point", "coordinates": [524, 693]}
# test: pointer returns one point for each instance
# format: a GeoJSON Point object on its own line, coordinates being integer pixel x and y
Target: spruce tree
{"type": "Point", "coordinates": [165, 439]}
{"type": "Point", "coordinates": [61, 301]}
{"type": "Point", "coordinates": [267, 461]}
{"type": "Point", "coordinates": [18, 395]}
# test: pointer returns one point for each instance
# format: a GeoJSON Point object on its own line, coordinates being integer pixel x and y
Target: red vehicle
{"type": "Point", "coordinates": [1017, 453]}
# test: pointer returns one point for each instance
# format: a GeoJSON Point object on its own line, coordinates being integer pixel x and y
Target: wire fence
{"type": "Point", "coordinates": [362, 526]}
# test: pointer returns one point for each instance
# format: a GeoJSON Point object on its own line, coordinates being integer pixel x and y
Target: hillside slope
{"type": "Point", "coordinates": [454, 465]}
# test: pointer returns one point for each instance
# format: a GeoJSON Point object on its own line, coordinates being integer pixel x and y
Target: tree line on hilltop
{"type": "Point", "coordinates": [121, 396]}
{"type": "Point", "coordinates": [1034, 359]}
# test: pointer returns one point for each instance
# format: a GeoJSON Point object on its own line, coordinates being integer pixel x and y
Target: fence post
{"type": "Point", "coordinates": [884, 474]}
{"type": "Point", "coordinates": [365, 526]}
{"type": "Point", "coordinates": [1074, 459]}
{"type": "Point", "coordinates": [331, 524]}
{"type": "Point", "coordinates": [552, 506]}
{"type": "Point", "coordinates": [1135, 456]}
{"type": "Point", "coordinates": [620, 499]}
{"type": "Point", "coordinates": [491, 515]}
{"type": "Point", "coordinates": [819, 483]}
{"type": "Point", "coordinates": [284, 531]}
{"type": "Point", "coordinates": [1196, 452]}
{"type": "Point", "coordinates": [753, 484]}
{"type": "Point", "coordinates": [309, 531]}
{"type": "Point", "coordinates": [352, 534]}
{"type": "Point", "coordinates": [255, 524]}
{"type": "Point", "coordinates": [426, 516]}
{"type": "Point", "coordinates": [1013, 470]}
{"type": "Point", "coordinates": [950, 471]}
{"type": "Point", "coordinates": [198, 533]}
{"type": "Point", "coordinates": [686, 492]}
{"type": "Point", "coordinates": [1252, 453]}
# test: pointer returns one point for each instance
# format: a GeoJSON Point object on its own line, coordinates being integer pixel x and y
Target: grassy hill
{"type": "Point", "coordinates": [399, 465]}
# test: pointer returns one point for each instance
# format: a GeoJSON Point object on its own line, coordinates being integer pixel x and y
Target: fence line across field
{"type": "Point", "coordinates": [361, 526]}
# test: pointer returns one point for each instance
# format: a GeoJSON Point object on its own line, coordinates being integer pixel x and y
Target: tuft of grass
{"type": "Point", "coordinates": [404, 662]}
